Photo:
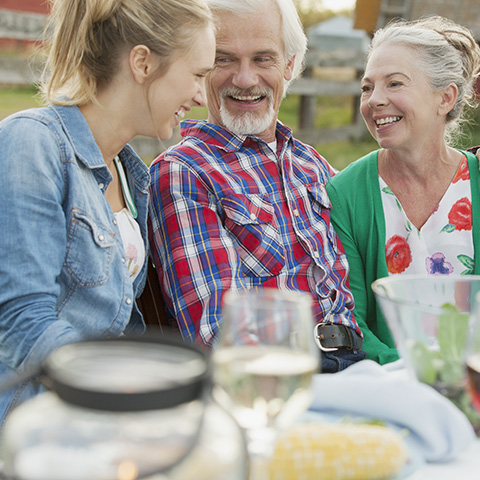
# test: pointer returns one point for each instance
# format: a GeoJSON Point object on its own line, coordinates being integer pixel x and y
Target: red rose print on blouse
{"type": "Point", "coordinates": [460, 215]}
{"type": "Point", "coordinates": [398, 254]}
{"type": "Point", "coordinates": [462, 172]}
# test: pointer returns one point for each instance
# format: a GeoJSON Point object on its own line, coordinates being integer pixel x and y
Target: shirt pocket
{"type": "Point", "coordinates": [250, 219]}
{"type": "Point", "coordinates": [321, 211]}
{"type": "Point", "coordinates": [90, 247]}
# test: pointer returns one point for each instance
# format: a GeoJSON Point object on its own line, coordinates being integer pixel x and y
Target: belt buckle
{"type": "Point", "coordinates": [317, 337]}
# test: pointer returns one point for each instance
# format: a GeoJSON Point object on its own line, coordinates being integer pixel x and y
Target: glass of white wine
{"type": "Point", "coordinates": [263, 365]}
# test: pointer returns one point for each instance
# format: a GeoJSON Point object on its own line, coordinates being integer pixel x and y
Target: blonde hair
{"type": "Point", "coordinates": [87, 38]}
{"type": "Point", "coordinates": [447, 53]}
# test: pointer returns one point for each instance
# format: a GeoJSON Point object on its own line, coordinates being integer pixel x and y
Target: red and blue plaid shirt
{"type": "Point", "coordinates": [227, 212]}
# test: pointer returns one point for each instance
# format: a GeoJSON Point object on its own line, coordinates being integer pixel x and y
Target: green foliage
{"type": "Point", "coordinates": [288, 113]}
{"type": "Point", "coordinates": [331, 112]}
{"type": "Point", "coordinates": [341, 154]}
{"type": "Point", "coordinates": [198, 113]}
{"type": "Point", "coordinates": [470, 130]}
{"type": "Point", "coordinates": [312, 12]}
{"type": "Point", "coordinates": [334, 111]}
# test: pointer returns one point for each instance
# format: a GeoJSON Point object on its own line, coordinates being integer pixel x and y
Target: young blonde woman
{"type": "Point", "coordinates": [74, 195]}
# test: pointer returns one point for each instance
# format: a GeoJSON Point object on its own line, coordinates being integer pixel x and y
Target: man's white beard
{"type": "Point", "coordinates": [247, 123]}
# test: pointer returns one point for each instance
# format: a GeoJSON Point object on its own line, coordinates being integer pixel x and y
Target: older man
{"type": "Point", "coordinates": [240, 203]}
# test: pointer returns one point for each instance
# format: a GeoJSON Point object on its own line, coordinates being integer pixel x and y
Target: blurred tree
{"type": "Point", "coordinates": [312, 12]}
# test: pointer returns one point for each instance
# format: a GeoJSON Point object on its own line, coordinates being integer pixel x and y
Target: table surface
{"type": "Point", "coordinates": [465, 467]}
{"type": "Point", "coordinates": [229, 465]}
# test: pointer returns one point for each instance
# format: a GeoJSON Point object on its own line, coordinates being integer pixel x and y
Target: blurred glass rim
{"type": "Point", "coordinates": [261, 295]}
{"type": "Point", "coordinates": [128, 373]}
{"type": "Point", "coordinates": [382, 289]}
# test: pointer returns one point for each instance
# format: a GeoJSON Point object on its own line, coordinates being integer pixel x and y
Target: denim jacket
{"type": "Point", "coordinates": [63, 273]}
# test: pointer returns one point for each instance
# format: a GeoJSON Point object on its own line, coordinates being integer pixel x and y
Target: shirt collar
{"type": "Point", "coordinates": [218, 136]}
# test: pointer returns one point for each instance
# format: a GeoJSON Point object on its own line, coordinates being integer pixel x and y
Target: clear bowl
{"type": "Point", "coordinates": [431, 318]}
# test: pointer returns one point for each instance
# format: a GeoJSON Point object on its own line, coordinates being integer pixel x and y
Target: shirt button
{"type": "Point", "coordinates": [128, 300]}
{"type": "Point", "coordinates": [316, 254]}
{"type": "Point", "coordinates": [296, 213]}
{"type": "Point", "coordinates": [101, 185]}
{"type": "Point", "coordinates": [101, 238]}
{"type": "Point", "coordinates": [253, 216]}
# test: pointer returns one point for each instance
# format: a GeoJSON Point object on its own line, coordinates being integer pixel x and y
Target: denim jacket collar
{"type": "Point", "coordinates": [86, 149]}
{"type": "Point", "coordinates": [80, 135]}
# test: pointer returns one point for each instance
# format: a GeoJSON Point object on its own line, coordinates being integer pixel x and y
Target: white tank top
{"type": "Point", "coordinates": [129, 228]}
{"type": "Point", "coordinates": [132, 242]}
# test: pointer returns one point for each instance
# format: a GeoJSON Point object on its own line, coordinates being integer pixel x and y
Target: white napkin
{"type": "Point", "coordinates": [438, 430]}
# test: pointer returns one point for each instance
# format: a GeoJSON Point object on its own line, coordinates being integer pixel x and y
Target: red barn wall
{"type": "Point", "coordinates": [33, 6]}
{"type": "Point", "coordinates": [37, 7]}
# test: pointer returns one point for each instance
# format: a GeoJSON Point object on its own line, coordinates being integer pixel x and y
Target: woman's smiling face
{"type": "Point", "coordinates": [398, 104]}
{"type": "Point", "coordinates": [182, 86]}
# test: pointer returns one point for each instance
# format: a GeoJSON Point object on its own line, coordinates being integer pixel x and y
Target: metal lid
{"type": "Point", "coordinates": [128, 374]}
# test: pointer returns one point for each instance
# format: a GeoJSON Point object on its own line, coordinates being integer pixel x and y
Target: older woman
{"type": "Point", "coordinates": [74, 196]}
{"type": "Point", "coordinates": [408, 207]}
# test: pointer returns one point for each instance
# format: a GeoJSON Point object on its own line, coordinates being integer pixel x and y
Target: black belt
{"type": "Point", "coordinates": [330, 337]}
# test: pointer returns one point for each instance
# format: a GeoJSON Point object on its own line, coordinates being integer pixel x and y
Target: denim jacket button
{"type": "Point", "coordinates": [114, 221]}
{"type": "Point", "coordinates": [128, 300]}
{"type": "Point", "coordinates": [101, 238]}
{"type": "Point", "coordinates": [101, 185]}
{"type": "Point", "coordinates": [123, 260]}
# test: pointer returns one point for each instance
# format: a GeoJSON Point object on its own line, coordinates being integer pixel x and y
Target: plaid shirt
{"type": "Point", "coordinates": [227, 212]}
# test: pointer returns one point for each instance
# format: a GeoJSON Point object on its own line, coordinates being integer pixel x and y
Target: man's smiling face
{"type": "Point", "coordinates": [246, 86]}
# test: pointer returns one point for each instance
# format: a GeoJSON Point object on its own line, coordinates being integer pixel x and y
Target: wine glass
{"type": "Point", "coordinates": [263, 365]}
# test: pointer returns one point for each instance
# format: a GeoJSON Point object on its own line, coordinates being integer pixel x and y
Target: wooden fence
{"type": "Point", "coordinates": [309, 88]}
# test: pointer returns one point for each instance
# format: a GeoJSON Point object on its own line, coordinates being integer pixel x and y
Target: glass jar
{"type": "Point", "coordinates": [118, 409]}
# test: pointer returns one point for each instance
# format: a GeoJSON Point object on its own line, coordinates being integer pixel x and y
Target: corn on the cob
{"type": "Point", "coordinates": [338, 451]}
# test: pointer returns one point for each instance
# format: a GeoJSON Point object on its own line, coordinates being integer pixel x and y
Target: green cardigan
{"type": "Point", "coordinates": [358, 218]}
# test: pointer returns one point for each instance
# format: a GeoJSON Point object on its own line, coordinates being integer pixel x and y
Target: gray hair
{"type": "Point", "coordinates": [447, 53]}
{"type": "Point", "coordinates": [294, 39]}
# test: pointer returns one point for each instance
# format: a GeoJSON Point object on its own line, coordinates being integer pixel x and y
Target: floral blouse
{"type": "Point", "coordinates": [444, 244]}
